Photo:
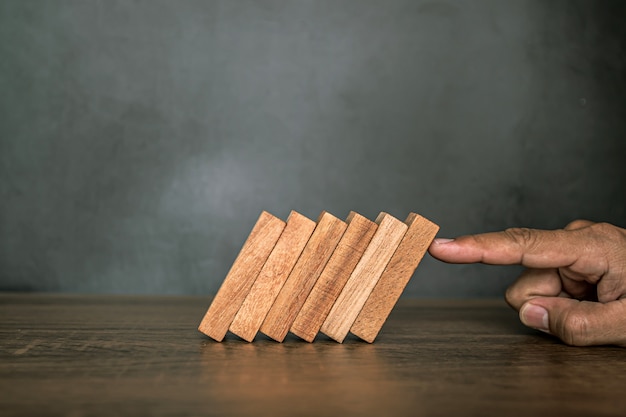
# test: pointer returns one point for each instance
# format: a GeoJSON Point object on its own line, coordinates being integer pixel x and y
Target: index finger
{"type": "Point", "coordinates": [531, 248]}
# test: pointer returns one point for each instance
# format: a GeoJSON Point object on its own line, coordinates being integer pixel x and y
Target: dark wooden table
{"type": "Point", "coordinates": [67, 355]}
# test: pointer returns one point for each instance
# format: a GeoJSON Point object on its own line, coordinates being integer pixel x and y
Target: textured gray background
{"type": "Point", "coordinates": [139, 140]}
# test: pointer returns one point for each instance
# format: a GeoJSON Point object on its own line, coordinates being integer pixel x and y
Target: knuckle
{"type": "Point", "coordinates": [522, 236]}
{"type": "Point", "coordinates": [577, 224]}
{"type": "Point", "coordinates": [611, 288]}
{"type": "Point", "coordinates": [575, 329]}
{"type": "Point", "coordinates": [514, 296]}
{"type": "Point", "coordinates": [607, 230]}
{"type": "Point", "coordinates": [608, 235]}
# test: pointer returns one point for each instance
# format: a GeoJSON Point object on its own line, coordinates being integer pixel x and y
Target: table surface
{"type": "Point", "coordinates": [120, 355]}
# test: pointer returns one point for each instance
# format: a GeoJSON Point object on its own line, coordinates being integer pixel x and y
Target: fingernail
{"type": "Point", "coordinates": [441, 240]}
{"type": "Point", "coordinates": [535, 316]}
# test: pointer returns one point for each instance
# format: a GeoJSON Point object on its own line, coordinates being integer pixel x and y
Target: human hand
{"type": "Point", "coordinates": [575, 284]}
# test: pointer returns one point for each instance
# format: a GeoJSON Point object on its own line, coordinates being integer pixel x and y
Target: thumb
{"type": "Point", "coordinates": [577, 323]}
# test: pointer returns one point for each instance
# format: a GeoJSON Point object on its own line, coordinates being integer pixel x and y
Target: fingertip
{"type": "Point", "coordinates": [584, 323]}
{"type": "Point", "coordinates": [440, 246]}
{"type": "Point", "coordinates": [535, 316]}
{"type": "Point", "coordinates": [437, 248]}
{"type": "Point", "coordinates": [442, 241]}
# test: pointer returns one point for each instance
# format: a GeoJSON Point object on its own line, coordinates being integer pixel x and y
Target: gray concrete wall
{"type": "Point", "coordinates": [140, 140]}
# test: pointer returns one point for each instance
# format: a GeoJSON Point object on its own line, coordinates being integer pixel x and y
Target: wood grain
{"type": "Point", "coordinates": [396, 276]}
{"type": "Point", "coordinates": [334, 276]}
{"type": "Point", "coordinates": [71, 355]}
{"type": "Point", "coordinates": [241, 276]}
{"type": "Point", "coordinates": [364, 277]}
{"type": "Point", "coordinates": [305, 273]}
{"type": "Point", "coordinates": [272, 277]}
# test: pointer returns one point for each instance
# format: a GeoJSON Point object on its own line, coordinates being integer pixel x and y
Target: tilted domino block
{"type": "Point", "coordinates": [300, 282]}
{"type": "Point", "coordinates": [329, 285]}
{"type": "Point", "coordinates": [241, 276]}
{"type": "Point", "coordinates": [272, 277]}
{"type": "Point", "coordinates": [330, 276]}
{"type": "Point", "coordinates": [396, 276]}
{"type": "Point", "coordinates": [364, 277]}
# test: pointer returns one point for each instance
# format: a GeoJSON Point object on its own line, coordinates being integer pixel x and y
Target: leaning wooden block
{"type": "Point", "coordinates": [364, 277]}
{"type": "Point", "coordinates": [242, 274]}
{"type": "Point", "coordinates": [272, 277]}
{"type": "Point", "coordinates": [334, 276]}
{"type": "Point", "coordinates": [305, 273]}
{"type": "Point", "coordinates": [396, 276]}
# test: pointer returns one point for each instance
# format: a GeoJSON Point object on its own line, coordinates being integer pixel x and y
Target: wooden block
{"type": "Point", "coordinates": [334, 276]}
{"type": "Point", "coordinates": [364, 277]}
{"type": "Point", "coordinates": [272, 277]}
{"type": "Point", "coordinates": [242, 274]}
{"type": "Point", "coordinates": [305, 273]}
{"type": "Point", "coordinates": [396, 276]}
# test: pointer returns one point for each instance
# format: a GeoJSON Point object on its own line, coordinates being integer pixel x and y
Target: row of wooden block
{"type": "Point", "coordinates": [331, 276]}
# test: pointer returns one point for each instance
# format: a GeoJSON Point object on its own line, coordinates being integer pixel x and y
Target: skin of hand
{"type": "Point", "coordinates": [574, 286]}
